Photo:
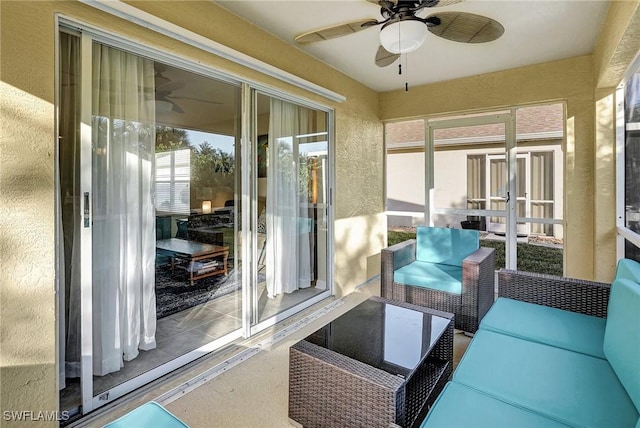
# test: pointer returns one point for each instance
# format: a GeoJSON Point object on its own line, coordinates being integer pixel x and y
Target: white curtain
{"type": "Point", "coordinates": [124, 312]}
{"type": "Point", "coordinates": [288, 252]}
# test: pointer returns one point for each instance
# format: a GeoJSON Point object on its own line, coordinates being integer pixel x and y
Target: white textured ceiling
{"type": "Point", "coordinates": [536, 31]}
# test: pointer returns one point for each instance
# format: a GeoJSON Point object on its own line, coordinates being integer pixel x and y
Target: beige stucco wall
{"type": "Point", "coordinates": [27, 300]}
{"type": "Point", "coordinates": [27, 33]}
{"type": "Point", "coordinates": [615, 50]}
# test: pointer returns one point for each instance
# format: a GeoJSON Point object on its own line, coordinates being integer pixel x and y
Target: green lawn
{"type": "Point", "coordinates": [531, 258]}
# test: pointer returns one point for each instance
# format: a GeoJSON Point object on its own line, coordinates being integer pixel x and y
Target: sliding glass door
{"type": "Point", "coordinates": [149, 166]}
{"type": "Point", "coordinates": [292, 205]}
{"type": "Point", "coordinates": [194, 212]}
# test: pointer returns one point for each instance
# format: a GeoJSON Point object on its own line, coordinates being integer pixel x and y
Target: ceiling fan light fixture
{"type": "Point", "coordinates": [403, 36]}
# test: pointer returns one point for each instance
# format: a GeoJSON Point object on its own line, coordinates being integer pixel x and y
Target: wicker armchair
{"type": "Point", "coordinates": [570, 294]}
{"type": "Point", "coordinates": [478, 290]}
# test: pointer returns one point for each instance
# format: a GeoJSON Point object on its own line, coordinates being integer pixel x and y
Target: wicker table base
{"type": "Point", "coordinates": [329, 389]}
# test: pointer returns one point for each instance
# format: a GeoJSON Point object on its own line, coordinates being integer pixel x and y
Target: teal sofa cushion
{"type": "Point", "coordinates": [429, 275]}
{"type": "Point", "coordinates": [563, 329]}
{"type": "Point", "coordinates": [459, 406]}
{"type": "Point", "coordinates": [622, 335]}
{"type": "Point", "coordinates": [444, 245]}
{"type": "Point", "coordinates": [628, 269]}
{"type": "Point", "coordinates": [569, 387]}
{"type": "Point", "coordinates": [150, 414]}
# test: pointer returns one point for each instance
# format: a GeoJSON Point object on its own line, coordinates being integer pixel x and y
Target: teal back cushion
{"type": "Point", "coordinates": [444, 245]}
{"type": "Point", "coordinates": [622, 335]}
{"type": "Point", "coordinates": [628, 269]}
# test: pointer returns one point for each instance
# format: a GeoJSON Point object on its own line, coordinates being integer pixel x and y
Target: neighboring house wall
{"type": "Point", "coordinates": [27, 88]}
{"type": "Point", "coordinates": [405, 187]}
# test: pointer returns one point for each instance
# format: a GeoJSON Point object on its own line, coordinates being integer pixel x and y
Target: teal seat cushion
{"type": "Point", "coordinates": [429, 275]}
{"type": "Point", "coordinates": [628, 269]}
{"type": "Point", "coordinates": [150, 414]}
{"type": "Point", "coordinates": [444, 245]}
{"type": "Point", "coordinates": [563, 329]}
{"type": "Point", "coordinates": [569, 387]}
{"type": "Point", "coordinates": [464, 407]}
{"type": "Point", "coordinates": [622, 335]}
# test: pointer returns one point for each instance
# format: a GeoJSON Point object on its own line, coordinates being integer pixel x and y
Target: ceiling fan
{"type": "Point", "coordinates": [165, 101]}
{"type": "Point", "coordinates": [404, 31]}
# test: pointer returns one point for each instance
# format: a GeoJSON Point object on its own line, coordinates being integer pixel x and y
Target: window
{"type": "Point", "coordinates": [173, 173]}
{"type": "Point", "coordinates": [476, 176]}
{"type": "Point", "coordinates": [542, 195]}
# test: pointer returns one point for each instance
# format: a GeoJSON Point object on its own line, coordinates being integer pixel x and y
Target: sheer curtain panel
{"type": "Point", "coordinates": [124, 312]}
{"type": "Point", "coordinates": [288, 252]}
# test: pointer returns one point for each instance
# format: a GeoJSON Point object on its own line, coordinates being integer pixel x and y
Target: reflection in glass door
{"type": "Point", "coordinates": [292, 206]}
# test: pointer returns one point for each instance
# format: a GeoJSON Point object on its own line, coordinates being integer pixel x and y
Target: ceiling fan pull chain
{"type": "Point", "coordinates": [406, 66]}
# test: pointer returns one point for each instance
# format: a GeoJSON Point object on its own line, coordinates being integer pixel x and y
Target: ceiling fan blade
{"type": "Point", "coordinates": [160, 80]}
{"type": "Point", "coordinates": [385, 4]}
{"type": "Point", "coordinates": [385, 58]}
{"type": "Point", "coordinates": [334, 31]}
{"type": "Point", "coordinates": [465, 27]}
{"type": "Point", "coordinates": [164, 98]}
{"type": "Point", "coordinates": [200, 100]}
{"type": "Point", "coordinates": [169, 86]}
{"type": "Point", "coordinates": [434, 3]}
{"type": "Point", "coordinates": [176, 108]}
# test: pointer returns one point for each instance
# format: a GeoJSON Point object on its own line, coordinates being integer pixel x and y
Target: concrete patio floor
{"type": "Point", "coordinates": [253, 393]}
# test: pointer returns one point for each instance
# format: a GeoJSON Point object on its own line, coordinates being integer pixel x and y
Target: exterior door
{"type": "Point", "coordinates": [471, 167]}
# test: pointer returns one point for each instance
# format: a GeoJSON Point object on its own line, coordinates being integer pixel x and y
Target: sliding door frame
{"type": "Point", "coordinates": [254, 325]}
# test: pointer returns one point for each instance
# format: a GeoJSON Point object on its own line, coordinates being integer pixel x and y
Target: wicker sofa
{"type": "Point", "coordinates": [443, 269]}
{"type": "Point", "coordinates": [551, 352]}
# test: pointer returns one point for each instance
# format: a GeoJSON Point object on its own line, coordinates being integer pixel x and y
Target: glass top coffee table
{"type": "Point", "coordinates": [379, 364]}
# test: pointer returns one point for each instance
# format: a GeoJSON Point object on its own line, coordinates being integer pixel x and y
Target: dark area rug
{"type": "Point", "coordinates": [175, 293]}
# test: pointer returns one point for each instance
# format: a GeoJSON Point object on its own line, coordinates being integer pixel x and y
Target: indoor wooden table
{"type": "Point", "coordinates": [197, 259]}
